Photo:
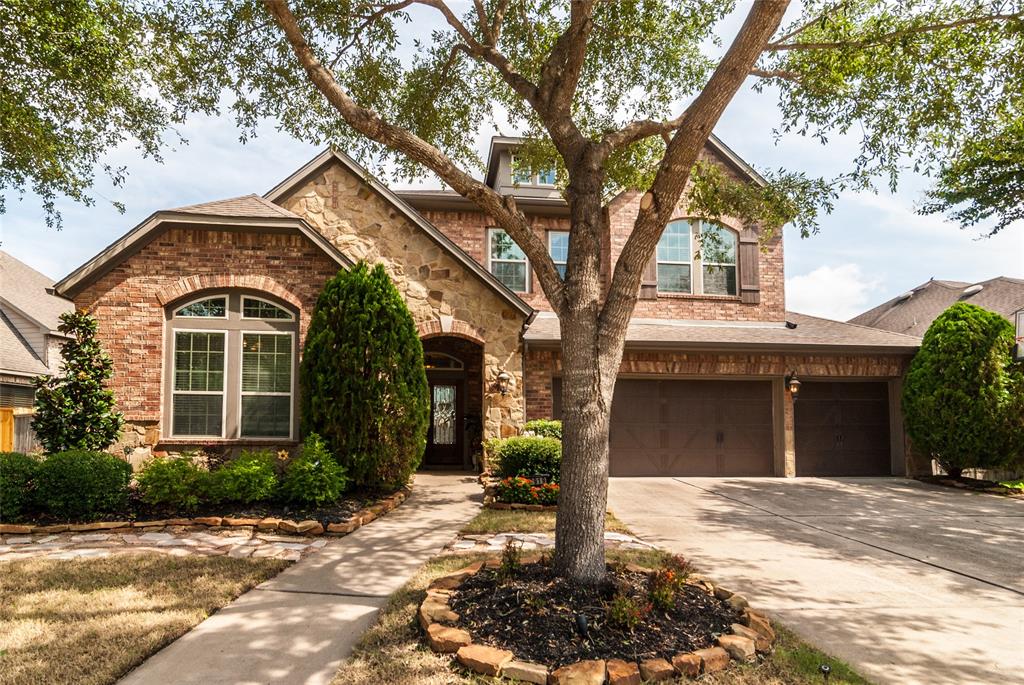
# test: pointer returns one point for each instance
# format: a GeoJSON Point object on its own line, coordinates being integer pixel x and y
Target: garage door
{"type": "Point", "coordinates": [691, 428]}
{"type": "Point", "coordinates": [842, 429]}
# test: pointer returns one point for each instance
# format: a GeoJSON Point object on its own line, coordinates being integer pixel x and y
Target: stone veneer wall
{"type": "Point", "coordinates": [434, 285]}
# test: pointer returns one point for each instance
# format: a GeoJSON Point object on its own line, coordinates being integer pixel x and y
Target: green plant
{"type": "Point", "coordinates": [521, 490]}
{"type": "Point", "coordinates": [545, 428]}
{"type": "Point", "coordinates": [364, 387]}
{"type": "Point", "coordinates": [16, 473]}
{"type": "Point", "coordinates": [1013, 484]}
{"type": "Point", "coordinates": [626, 611]}
{"type": "Point", "coordinates": [528, 456]}
{"type": "Point", "coordinates": [511, 560]}
{"type": "Point", "coordinates": [667, 582]}
{"type": "Point", "coordinates": [963, 398]}
{"type": "Point", "coordinates": [173, 482]}
{"type": "Point", "coordinates": [246, 479]}
{"type": "Point", "coordinates": [74, 411]}
{"type": "Point", "coordinates": [313, 477]}
{"type": "Point", "coordinates": [79, 484]}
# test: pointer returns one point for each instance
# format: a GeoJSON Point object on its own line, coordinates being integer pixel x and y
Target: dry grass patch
{"type": "Point", "coordinates": [89, 621]}
{"type": "Point", "coordinates": [493, 521]}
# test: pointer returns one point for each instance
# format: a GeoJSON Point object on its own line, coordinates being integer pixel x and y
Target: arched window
{"type": "Point", "coordinates": [697, 257]}
{"type": "Point", "coordinates": [440, 360]}
{"type": "Point", "coordinates": [231, 368]}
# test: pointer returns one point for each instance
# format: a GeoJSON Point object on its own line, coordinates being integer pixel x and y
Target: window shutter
{"type": "Point", "coordinates": [749, 267]}
{"type": "Point", "coordinates": [649, 281]}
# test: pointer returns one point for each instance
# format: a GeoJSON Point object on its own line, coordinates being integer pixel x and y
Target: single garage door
{"type": "Point", "coordinates": [691, 428]}
{"type": "Point", "coordinates": [842, 429]}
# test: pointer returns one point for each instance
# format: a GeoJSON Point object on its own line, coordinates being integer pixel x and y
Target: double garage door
{"type": "Point", "coordinates": [727, 428]}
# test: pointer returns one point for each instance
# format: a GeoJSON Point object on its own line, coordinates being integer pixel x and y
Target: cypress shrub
{"type": "Point", "coordinates": [364, 388]}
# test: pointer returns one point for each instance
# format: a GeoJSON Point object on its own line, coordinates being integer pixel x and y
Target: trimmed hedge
{"type": "Point", "coordinates": [81, 484]}
{"type": "Point", "coordinates": [17, 471]}
{"type": "Point", "coordinates": [527, 456]}
{"type": "Point", "coordinates": [246, 479]}
{"type": "Point", "coordinates": [545, 428]}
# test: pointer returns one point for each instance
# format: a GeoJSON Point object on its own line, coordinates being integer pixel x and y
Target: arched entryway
{"type": "Point", "coordinates": [455, 375]}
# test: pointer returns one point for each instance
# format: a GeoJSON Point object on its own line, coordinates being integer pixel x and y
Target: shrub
{"type": "Point", "coordinates": [313, 477]}
{"type": "Point", "coordinates": [173, 482]}
{"type": "Point", "coordinates": [666, 584]}
{"type": "Point", "coordinates": [247, 479]}
{"type": "Point", "coordinates": [625, 611]}
{"type": "Point", "coordinates": [16, 473]}
{"type": "Point", "coordinates": [364, 387]}
{"type": "Point", "coordinates": [79, 484]}
{"type": "Point", "coordinates": [528, 456]}
{"type": "Point", "coordinates": [963, 398]}
{"type": "Point", "coordinates": [521, 490]}
{"type": "Point", "coordinates": [73, 410]}
{"type": "Point", "coordinates": [545, 428]}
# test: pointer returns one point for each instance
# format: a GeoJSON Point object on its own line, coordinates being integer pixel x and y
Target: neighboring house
{"type": "Point", "coordinates": [29, 344]}
{"type": "Point", "coordinates": [204, 309]}
{"type": "Point", "coordinates": [913, 311]}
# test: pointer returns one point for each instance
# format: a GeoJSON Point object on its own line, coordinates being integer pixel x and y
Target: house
{"type": "Point", "coordinates": [29, 344]}
{"type": "Point", "coordinates": [204, 309]}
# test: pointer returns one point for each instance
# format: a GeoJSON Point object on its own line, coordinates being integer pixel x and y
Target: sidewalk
{"type": "Point", "coordinates": [296, 628]}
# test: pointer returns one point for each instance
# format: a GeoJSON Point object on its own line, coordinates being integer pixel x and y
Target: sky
{"type": "Point", "coordinates": [871, 248]}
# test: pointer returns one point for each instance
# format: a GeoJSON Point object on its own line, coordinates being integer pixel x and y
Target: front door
{"type": "Point", "coordinates": [445, 435]}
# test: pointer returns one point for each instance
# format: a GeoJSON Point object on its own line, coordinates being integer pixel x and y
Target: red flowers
{"type": "Point", "coordinates": [521, 490]}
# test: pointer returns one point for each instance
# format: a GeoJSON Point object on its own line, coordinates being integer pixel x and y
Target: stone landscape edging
{"type": "Point", "coordinates": [749, 638]}
{"type": "Point", "coordinates": [307, 528]}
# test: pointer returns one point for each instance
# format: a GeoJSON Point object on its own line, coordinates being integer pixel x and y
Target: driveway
{"type": "Point", "coordinates": [910, 583]}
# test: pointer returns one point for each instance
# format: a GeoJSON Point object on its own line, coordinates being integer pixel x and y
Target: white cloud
{"type": "Point", "coordinates": [836, 292]}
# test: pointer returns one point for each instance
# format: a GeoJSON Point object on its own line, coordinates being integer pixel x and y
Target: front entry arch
{"type": "Point", "coordinates": [454, 374]}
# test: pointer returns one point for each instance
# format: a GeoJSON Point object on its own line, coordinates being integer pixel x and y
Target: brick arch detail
{"type": "Point", "coordinates": [459, 329]}
{"type": "Point", "coordinates": [193, 284]}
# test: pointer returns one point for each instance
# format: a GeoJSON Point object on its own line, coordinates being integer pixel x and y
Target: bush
{"type": "Point", "coordinates": [528, 456]}
{"type": "Point", "coordinates": [247, 479]}
{"type": "Point", "coordinates": [173, 482]}
{"type": "Point", "coordinates": [314, 477]}
{"type": "Point", "coordinates": [364, 387]}
{"type": "Point", "coordinates": [80, 484]}
{"type": "Point", "coordinates": [521, 490]}
{"type": "Point", "coordinates": [16, 473]}
{"type": "Point", "coordinates": [963, 398]}
{"type": "Point", "coordinates": [545, 428]}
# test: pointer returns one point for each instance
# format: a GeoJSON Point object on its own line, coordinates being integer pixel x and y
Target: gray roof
{"type": "Point", "coordinates": [30, 292]}
{"type": "Point", "coordinates": [16, 356]}
{"type": "Point", "coordinates": [799, 331]}
{"type": "Point", "coordinates": [251, 206]}
{"type": "Point", "coordinates": [914, 311]}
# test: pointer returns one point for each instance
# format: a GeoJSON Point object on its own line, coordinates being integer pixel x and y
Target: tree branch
{"type": "Point", "coordinates": [776, 73]}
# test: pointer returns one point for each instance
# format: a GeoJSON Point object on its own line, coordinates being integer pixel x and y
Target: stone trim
{"type": "Point", "coordinates": [192, 284]}
{"type": "Point", "coordinates": [456, 329]}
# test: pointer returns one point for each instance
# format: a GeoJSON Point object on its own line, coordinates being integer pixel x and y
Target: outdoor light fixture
{"type": "Point", "coordinates": [793, 385]}
{"type": "Point", "coordinates": [503, 382]}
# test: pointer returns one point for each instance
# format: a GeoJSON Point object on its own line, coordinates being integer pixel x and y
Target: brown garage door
{"type": "Point", "coordinates": [842, 429]}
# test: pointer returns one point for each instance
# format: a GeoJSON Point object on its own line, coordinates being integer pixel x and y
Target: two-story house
{"type": "Point", "coordinates": [204, 309]}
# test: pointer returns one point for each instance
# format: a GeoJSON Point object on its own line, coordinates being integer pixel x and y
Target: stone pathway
{"type": "Point", "coordinates": [172, 540]}
{"type": "Point", "coordinates": [533, 541]}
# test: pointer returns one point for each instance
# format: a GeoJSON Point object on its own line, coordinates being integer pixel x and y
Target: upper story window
{"type": "Point", "coordinates": [558, 248]}
{"type": "Point", "coordinates": [524, 176]}
{"type": "Point", "coordinates": [718, 260]}
{"type": "Point", "coordinates": [681, 271]}
{"type": "Point", "coordinates": [231, 367]}
{"type": "Point", "coordinates": [675, 259]}
{"type": "Point", "coordinates": [506, 260]}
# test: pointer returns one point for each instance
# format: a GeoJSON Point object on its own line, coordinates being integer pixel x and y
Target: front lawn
{"type": "Point", "coordinates": [88, 622]}
{"type": "Point", "coordinates": [493, 521]}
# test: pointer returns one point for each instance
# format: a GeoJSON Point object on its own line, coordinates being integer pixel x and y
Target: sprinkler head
{"type": "Point", "coordinates": [581, 626]}
{"type": "Point", "coordinates": [825, 670]}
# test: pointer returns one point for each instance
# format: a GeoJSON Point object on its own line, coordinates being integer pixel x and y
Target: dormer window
{"type": "Point", "coordinates": [532, 177]}
{"type": "Point", "coordinates": [507, 261]}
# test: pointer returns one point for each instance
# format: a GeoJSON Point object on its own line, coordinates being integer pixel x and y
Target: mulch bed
{"type": "Point", "coordinates": [534, 616]}
{"type": "Point", "coordinates": [975, 484]}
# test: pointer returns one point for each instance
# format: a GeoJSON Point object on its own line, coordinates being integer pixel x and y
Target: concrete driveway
{"type": "Point", "coordinates": [908, 582]}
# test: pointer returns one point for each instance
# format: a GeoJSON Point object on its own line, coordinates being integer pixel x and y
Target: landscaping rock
{"type": "Point", "coordinates": [14, 529]}
{"type": "Point", "coordinates": [723, 594]}
{"type": "Point", "coordinates": [623, 672]}
{"type": "Point", "coordinates": [344, 528]}
{"type": "Point", "coordinates": [434, 610]}
{"type": "Point", "coordinates": [234, 523]}
{"type": "Point", "coordinates": [656, 670]}
{"type": "Point", "coordinates": [759, 623]}
{"type": "Point", "coordinates": [580, 673]}
{"type": "Point", "coordinates": [453, 580]}
{"type": "Point", "coordinates": [446, 640]}
{"type": "Point", "coordinates": [288, 526]}
{"type": "Point", "coordinates": [310, 528]}
{"type": "Point", "coordinates": [482, 659]}
{"type": "Point", "coordinates": [761, 643]}
{"type": "Point", "coordinates": [48, 529]}
{"type": "Point", "coordinates": [208, 520]}
{"type": "Point", "coordinates": [740, 648]}
{"type": "Point", "coordinates": [738, 602]}
{"type": "Point", "coordinates": [365, 516]}
{"type": "Point", "coordinates": [526, 672]}
{"type": "Point", "coordinates": [501, 506]}
{"type": "Point", "coordinates": [144, 524]}
{"type": "Point", "coordinates": [179, 522]}
{"type": "Point", "coordinates": [712, 659]}
{"type": "Point", "coordinates": [634, 568]}
{"type": "Point", "coordinates": [268, 524]}
{"type": "Point", "coordinates": [687, 665]}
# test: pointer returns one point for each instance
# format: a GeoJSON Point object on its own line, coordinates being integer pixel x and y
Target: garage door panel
{"type": "Point", "coordinates": [842, 429]}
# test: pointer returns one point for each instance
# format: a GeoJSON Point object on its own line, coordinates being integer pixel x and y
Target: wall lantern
{"type": "Point", "coordinates": [793, 385]}
{"type": "Point", "coordinates": [503, 382]}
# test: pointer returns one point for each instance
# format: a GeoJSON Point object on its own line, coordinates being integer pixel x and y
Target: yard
{"type": "Point", "coordinates": [89, 621]}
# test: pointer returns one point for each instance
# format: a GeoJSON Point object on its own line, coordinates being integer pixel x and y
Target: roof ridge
{"type": "Point", "coordinates": [857, 325]}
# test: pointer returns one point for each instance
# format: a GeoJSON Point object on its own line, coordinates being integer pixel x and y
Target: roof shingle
{"type": "Point", "coordinates": [29, 292]}
{"type": "Point", "coordinates": [248, 206]}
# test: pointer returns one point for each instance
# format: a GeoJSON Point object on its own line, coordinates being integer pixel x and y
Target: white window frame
{"type": "Point", "coordinates": [491, 260]}
{"type": "Point", "coordinates": [290, 394]}
{"type": "Point", "coordinates": [224, 379]}
{"type": "Point", "coordinates": [241, 309]}
{"type": "Point", "coordinates": [658, 261]}
{"type": "Point", "coordinates": [556, 263]}
{"type": "Point", "coordinates": [533, 177]}
{"type": "Point", "coordinates": [227, 306]}
{"type": "Point", "coordinates": [735, 255]}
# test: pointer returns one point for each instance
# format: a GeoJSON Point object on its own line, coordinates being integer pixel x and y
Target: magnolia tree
{"type": "Point", "coordinates": [617, 94]}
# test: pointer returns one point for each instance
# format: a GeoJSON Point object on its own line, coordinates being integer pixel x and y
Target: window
{"type": "Point", "coordinates": [231, 364]}
{"type": "Point", "coordinates": [523, 176]}
{"type": "Point", "coordinates": [546, 177]}
{"type": "Point", "coordinates": [440, 360]}
{"type": "Point", "coordinates": [674, 258]}
{"type": "Point", "coordinates": [506, 261]}
{"type": "Point", "coordinates": [558, 248]}
{"type": "Point", "coordinates": [718, 258]}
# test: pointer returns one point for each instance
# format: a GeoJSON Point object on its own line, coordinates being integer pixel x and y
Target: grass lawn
{"type": "Point", "coordinates": [89, 621]}
{"type": "Point", "coordinates": [490, 521]}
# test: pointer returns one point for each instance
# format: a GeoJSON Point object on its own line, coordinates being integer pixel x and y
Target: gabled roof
{"type": "Point", "coordinates": [16, 355]}
{"type": "Point", "coordinates": [913, 311]}
{"type": "Point", "coordinates": [30, 293]}
{"type": "Point", "coordinates": [247, 211]}
{"type": "Point", "coordinates": [287, 186]}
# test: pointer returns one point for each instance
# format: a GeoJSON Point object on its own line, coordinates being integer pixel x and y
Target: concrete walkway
{"type": "Point", "coordinates": [910, 583]}
{"type": "Point", "coordinates": [296, 628]}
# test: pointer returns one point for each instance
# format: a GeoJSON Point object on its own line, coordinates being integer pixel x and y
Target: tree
{"type": "Point", "coordinates": [963, 398]}
{"type": "Point", "coordinates": [362, 379]}
{"type": "Point", "coordinates": [596, 88]}
{"type": "Point", "coordinates": [74, 411]}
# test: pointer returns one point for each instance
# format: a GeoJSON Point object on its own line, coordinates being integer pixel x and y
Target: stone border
{"type": "Point", "coordinates": [308, 528]}
{"type": "Point", "coordinates": [752, 636]}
